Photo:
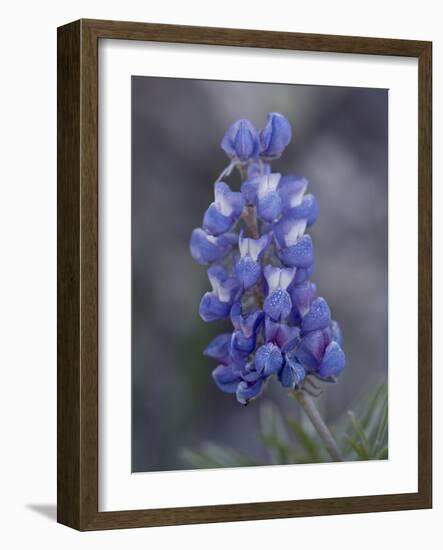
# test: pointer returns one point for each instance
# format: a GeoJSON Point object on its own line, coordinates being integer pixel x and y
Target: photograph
{"type": "Point", "coordinates": [259, 274]}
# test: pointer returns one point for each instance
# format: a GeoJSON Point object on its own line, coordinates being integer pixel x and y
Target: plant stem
{"type": "Point", "coordinates": [314, 416]}
{"type": "Point", "coordinates": [250, 218]}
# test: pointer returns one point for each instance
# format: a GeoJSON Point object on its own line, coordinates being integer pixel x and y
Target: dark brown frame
{"type": "Point", "coordinates": [77, 456]}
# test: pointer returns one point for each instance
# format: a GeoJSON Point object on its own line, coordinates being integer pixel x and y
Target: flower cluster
{"type": "Point", "coordinates": [260, 274]}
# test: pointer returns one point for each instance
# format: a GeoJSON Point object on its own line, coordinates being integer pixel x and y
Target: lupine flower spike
{"type": "Point", "coordinates": [260, 260]}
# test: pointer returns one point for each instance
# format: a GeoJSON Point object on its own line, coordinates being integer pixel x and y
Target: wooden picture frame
{"type": "Point", "coordinates": [77, 456]}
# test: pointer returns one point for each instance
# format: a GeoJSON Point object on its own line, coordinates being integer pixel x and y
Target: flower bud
{"type": "Point", "coordinates": [275, 136]}
{"type": "Point", "coordinates": [241, 141]}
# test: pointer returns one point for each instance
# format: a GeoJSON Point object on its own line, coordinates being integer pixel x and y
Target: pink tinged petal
{"type": "Point", "coordinates": [311, 349]}
{"type": "Point", "coordinates": [247, 324]}
{"type": "Point", "coordinates": [279, 333]}
{"type": "Point", "coordinates": [302, 297]}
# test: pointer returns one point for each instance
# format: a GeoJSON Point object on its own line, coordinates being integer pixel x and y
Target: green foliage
{"type": "Point", "coordinates": [361, 433]}
{"type": "Point", "coordinates": [367, 432]}
{"type": "Point", "coordinates": [211, 455]}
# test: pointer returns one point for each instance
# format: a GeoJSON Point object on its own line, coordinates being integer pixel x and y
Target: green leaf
{"type": "Point", "coordinates": [367, 438]}
{"type": "Point", "coordinates": [273, 433]}
{"type": "Point", "coordinates": [362, 435]}
{"type": "Point", "coordinates": [212, 455]}
{"type": "Point", "coordinates": [306, 439]}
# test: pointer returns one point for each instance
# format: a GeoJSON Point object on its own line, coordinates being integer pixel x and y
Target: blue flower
{"type": "Point", "coordinates": [333, 362]}
{"type": "Point", "coordinates": [320, 353]}
{"type": "Point", "coordinates": [278, 303]}
{"type": "Point", "coordinates": [248, 322]}
{"type": "Point", "coordinates": [225, 378]}
{"type": "Point", "coordinates": [248, 269]}
{"type": "Point", "coordinates": [291, 190]}
{"type": "Point", "coordinates": [311, 349]}
{"type": "Point", "coordinates": [335, 333]}
{"type": "Point", "coordinates": [249, 390]}
{"type": "Point", "coordinates": [303, 274]}
{"type": "Point", "coordinates": [244, 337]}
{"type": "Point", "coordinates": [295, 249]}
{"type": "Point", "coordinates": [302, 296]}
{"type": "Point", "coordinates": [280, 333]}
{"type": "Point", "coordinates": [275, 136]}
{"type": "Point", "coordinates": [216, 305]}
{"type": "Point", "coordinates": [307, 210]}
{"type": "Point", "coordinates": [260, 275]}
{"type": "Point", "coordinates": [224, 211]}
{"type": "Point", "coordinates": [207, 248]}
{"type": "Point", "coordinates": [259, 168]}
{"type": "Point", "coordinates": [268, 201]}
{"type": "Point", "coordinates": [317, 318]}
{"type": "Point", "coordinates": [219, 348]}
{"type": "Point", "coordinates": [292, 374]}
{"type": "Point", "coordinates": [241, 141]}
{"type": "Point", "coordinates": [268, 359]}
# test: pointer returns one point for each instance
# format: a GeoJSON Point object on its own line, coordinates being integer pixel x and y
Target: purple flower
{"type": "Point", "coordinates": [260, 274]}
{"type": "Point", "coordinates": [280, 333]}
{"type": "Point", "coordinates": [292, 374]}
{"type": "Point", "coordinates": [268, 201]}
{"type": "Point", "coordinates": [216, 305]}
{"type": "Point", "coordinates": [249, 390]}
{"type": "Point", "coordinates": [248, 269]}
{"type": "Point", "coordinates": [275, 136]}
{"type": "Point", "coordinates": [268, 359]}
{"type": "Point", "coordinates": [302, 296]}
{"type": "Point", "coordinates": [224, 211]}
{"type": "Point", "coordinates": [291, 190]}
{"type": "Point", "coordinates": [219, 348]}
{"type": "Point", "coordinates": [295, 248]}
{"type": "Point", "coordinates": [241, 141]}
{"type": "Point", "coordinates": [207, 248]}
{"type": "Point", "coordinates": [317, 318]}
{"type": "Point", "coordinates": [333, 362]}
{"type": "Point", "coordinates": [244, 337]}
{"type": "Point", "coordinates": [278, 303]}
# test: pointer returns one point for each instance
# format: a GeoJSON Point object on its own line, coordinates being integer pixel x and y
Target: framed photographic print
{"type": "Point", "coordinates": [244, 275]}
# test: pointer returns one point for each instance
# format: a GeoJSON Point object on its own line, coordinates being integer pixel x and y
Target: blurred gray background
{"type": "Point", "coordinates": [340, 143]}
